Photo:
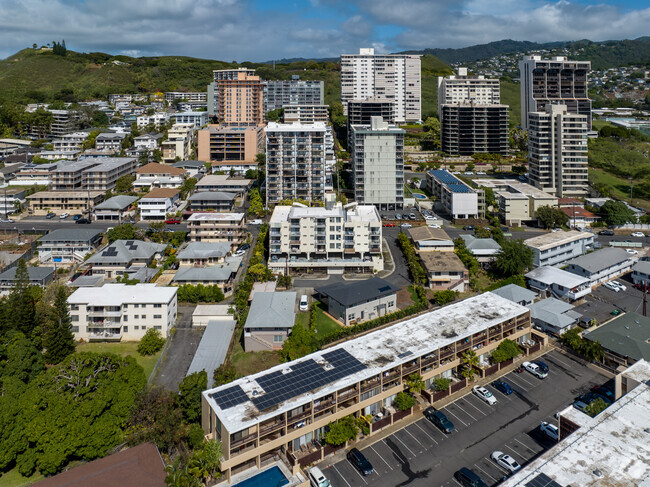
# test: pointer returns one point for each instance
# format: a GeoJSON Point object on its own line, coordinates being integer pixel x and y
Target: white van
{"type": "Point", "coordinates": [317, 479]}
{"type": "Point", "coordinates": [304, 303]}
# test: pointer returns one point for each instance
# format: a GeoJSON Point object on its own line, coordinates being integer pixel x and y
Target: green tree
{"type": "Point", "coordinates": [596, 407]}
{"type": "Point", "coordinates": [444, 297]}
{"type": "Point", "coordinates": [414, 383]}
{"type": "Point", "coordinates": [617, 213]}
{"type": "Point", "coordinates": [441, 383]}
{"type": "Point", "coordinates": [299, 343]}
{"type": "Point", "coordinates": [125, 231]}
{"type": "Point", "coordinates": [404, 401]}
{"type": "Point", "coordinates": [552, 217]}
{"type": "Point", "coordinates": [189, 395]}
{"type": "Point", "coordinates": [470, 363]}
{"type": "Point", "coordinates": [188, 187]}
{"type": "Point", "coordinates": [224, 374]}
{"type": "Point", "coordinates": [256, 206]}
{"type": "Point", "coordinates": [432, 137]}
{"type": "Point", "coordinates": [343, 430]}
{"type": "Point", "coordinates": [260, 159]}
{"type": "Point", "coordinates": [275, 115]}
{"type": "Point", "coordinates": [20, 359]}
{"type": "Point", "coordinates": [203, 464]}
{"type": "Point", "coordinates": [124, 184]}
{"type": "Point", "coordinates": [514, 258]}
{"type": "Point", "coordinates": [21, 301]}
{"type": "Point", "coordinates": [59, 340]}
{"type": "Point", "coordinates": [506, 350]}
{"type": "Point", "coordinates": [151, 342]}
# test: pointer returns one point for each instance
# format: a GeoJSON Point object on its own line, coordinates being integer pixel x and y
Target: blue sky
{"type": "Point", "coordinates": [260, 30]}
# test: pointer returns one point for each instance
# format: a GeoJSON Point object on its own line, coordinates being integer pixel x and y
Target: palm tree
{"type": "Point", "coordinates": [414, 383]}
{"type": "Point", "coordinates": [470, 362]}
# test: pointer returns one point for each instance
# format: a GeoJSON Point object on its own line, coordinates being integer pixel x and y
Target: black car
{"type": "Point", "coordinates": [244, 247]}
{"type": "Point", "coordinates": [82, 221]}
{"type": "Point", "coordinates": [543, 367]}
{"type": "Point", "coordinates": [467, 478]}
{"type": "Point", "coordinates": [49, 216]}
{"type": "Point", "coordinates": [439, 419]}
{"type": "Point", "coordinates": [609, 233]}
{"type": "Point", "coordinates": [502, 386]}
{"type": "Point", "coordinates": [360, 462]}
{"type": "Point", "coordinates": [468, 227]}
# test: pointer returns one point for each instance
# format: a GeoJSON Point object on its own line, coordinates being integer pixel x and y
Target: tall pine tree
{"type": "Point", "coordinates": [22, 309]}
{"type": "Point", "coordinates": [59, 339]}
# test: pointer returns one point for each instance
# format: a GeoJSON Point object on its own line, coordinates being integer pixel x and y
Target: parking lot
{"type": "Point", "coordinates": [629, 300]}
{"type": "Point", "coordinates": [420, 454]}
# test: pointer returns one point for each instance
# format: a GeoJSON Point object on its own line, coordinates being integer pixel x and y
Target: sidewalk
{"type": "Point", "coordinates": [421, 405]}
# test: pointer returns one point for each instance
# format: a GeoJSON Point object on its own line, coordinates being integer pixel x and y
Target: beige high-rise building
{"type": "Point", "coordinates": [393, 77]}
{"type": "Point", "coordinates": [557, 151]}
{"type": "Point", "coordinates": [237, 98]}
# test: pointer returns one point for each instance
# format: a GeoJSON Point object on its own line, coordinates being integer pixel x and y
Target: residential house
{"type": "Point", "coordinates": [201, 254]}
{"type": "Point", "coordinates": [150, 142]}
{"type": "Point", "coordinates": [157, 203]}
{"type": "Point", "coordinates": [217, 227]}
{"type": "Point", "coordinates": [444, 271]}
{"type": "Point", "coordinates": [221, 275]}
{"type": "Point", "coordinates": [641, 273]}
{"type": "Point", "coordinates": [426, 239]}
{"type": "Point", "coordinates": [124, 257]}
{"type": "Point", "coordinates": [218, 182]}
{"type": "Point", "coordinates": [11, 200]}
{"type": "Point", "coordinates": [68, 245]}
{"type": "Point", "coordinates": [561, 284]}
{"type": "Point", "coordinates": [624, 339]}
{"type": "Point", "coordinates": [109, 142]}
{"type": "Point", "coordinates": [579, 217]}
{"type": "Point", "coordinates": [601, 265]}
{"type": "Point", "coordinates": [211, 201]}
{"type": "Point", "coordinates": [70, 142]}
{"type": "Point", "coordinates": [270, 320]}
{"type": "Point", "coordinates": [559, 247]}
{"type": "Point", "coordinates": [157, 120]}
{"type": "Point", "coordinates": [115, 208]}
{"type": "Point", "coordinates": [359, 301]}
{"type": "Point", "coordinates": [193, 169]}
{"type": "Point", "coordinates": [114, 312]}
{"type": "Point", "coordinates": [155, 175]}
{"type": "Point", "coordinates": [553, 316]}
{"type": "Point", "coordinates": [8, 172]}
{"type": "Point", "coordinates": [38, 276]}
{"type": "Point", "coordinates": [58, 155]}
{"type": "Point", "coordinates": [516, 294]}
{"type": "Point", "coordinates": [484, 249]}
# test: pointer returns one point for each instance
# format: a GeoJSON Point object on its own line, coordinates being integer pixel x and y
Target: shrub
{"type": "Point", "coordinates": [151, 342]}
{"type": "Point", "coordinates": [506, 350]}
{"type": "Point", "coordinates": [341, 431]}
{"type": "Point", "coordinates": [404, 401]}
{"type": "Point", "coordinates": [441, 383]}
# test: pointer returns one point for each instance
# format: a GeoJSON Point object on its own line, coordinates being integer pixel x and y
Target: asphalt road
{"type": "Point", "coordinates": [421, 455]}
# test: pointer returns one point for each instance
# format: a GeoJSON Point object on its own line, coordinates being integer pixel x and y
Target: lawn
{"type": "Point", "coordinates": [619, 187]}
{"type": "Point", "coordinates": [247, 363]}
{"type": "Point", "coordinates": [123, 349]}
{"type": "Point", "coordinates": [324, 324]}
{"type": "Point", "coordinates": [12, 478]}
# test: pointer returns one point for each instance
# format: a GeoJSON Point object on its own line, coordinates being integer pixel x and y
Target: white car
{"type": "Point", "coordinates": [550, 430]}
{"type": "Point", "coordinates": [535, 369]}
{"type": "Point", "coordinates": [505, 460]}
{"type": "Point", "coordinates": [64, 216]}
{"type": "Point", "coordinates": [429, 216]}
{"type": "Point", "coordinates": [611, 286]}
{"type": "Point", "coordinates": [638, 234]}
{"type": "Point", "coordinates": [406, 225]}
{"type": "Point", "coordinates": [433, 225]}
{"type": "Point", "coordinates": [632, 251]}
{"type": "Point", "coordinates": [620, 285]}
{"type": "Point", "coordinates": [304, 303]}
{"type": "Point", "coordinates": [485, 395]}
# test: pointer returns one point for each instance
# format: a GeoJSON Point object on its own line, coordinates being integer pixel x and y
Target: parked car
{"type": "Point", "coordinates": [50, 215]}
{"type": "Point", "coordinates": [542, 366]}
{"type": "Point", "coordinates": [505, 460]}
{"type": "Point", "coordinates": [172, 221]}
{"type": "Point", "coordinates": [608, 233]}
{"type": "Point", "coordinates": [360, 462]}
{"type": "Point", "coordinates": [502, 386]}
{"type": "Point", "coordinates": [611, 286]}
{"type": "Point", "coordinates": [468, 227]}
{"type": "Point", "coordinates": [468, 478]}
{"type": "Point", "coordinates": [484, 395]}
{"type": "Point", "coordinates": [257, 221]}
{"type": "Point", "coordinates": [82, 221]}
{"type": "Point", "coordinates": [620, 285]}
{"type": "Point", "coordinates": [63, 216]}
{"type": "Point", "coordinates": [550, 430]}
{"type": "Point", "coordinates": [534, 369]}
{"type": "Point", "coordinates": [429, 216]}
{"type": "Point", "coordinates": [638, 234]}
{"type": "Point", "coordinates": [580, 406]}
{"type": "Point", "coordinates": [389, 224]}
{"type": "Point", "coordinates": [239, 252]}
{"type": "Point", "coordinates": [406, 225]}
{"type": "Point", "coordinates": [433, 225]}
{"type": "Point", "coordinates": [7, 220]}
{"type": "Point", "coordinates": [632, 251]}
{"type": "Point", "coordinates": [317, 479]}
{"type": "Point", "coordinates": [439, 419]}
{"type": "Point", "coordinates": [77, 217]}
{"type": "Point", "coordinates": [304, 303]}
{"type": "Point", "coordinates": [398, 216]}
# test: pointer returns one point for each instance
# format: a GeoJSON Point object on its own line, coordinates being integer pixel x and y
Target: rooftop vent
{"type": "Point", "coordinates": [598, 473]}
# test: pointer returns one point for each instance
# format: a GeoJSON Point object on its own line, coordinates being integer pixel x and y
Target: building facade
{"type": "Point", "coordinates": [377, 152]}
{"type": "Point", "coordinates": [306, 113]}
{"type": "Point", "coordinates": [196, 119]}
{"type": "Point", "coordinates": [178, 143]}
{"type": "Point", "coordinates": [392, 77]}
{"type": "Point", "coordinates": [554, 81]}
{"type": "Point", "coordinates": [468, 128]}
{"type": "Point", "coordinates": [155, 175]}
{"type": "Point", "coordinates": [217, 227]}
{"type": "Point", "coordinates": [63, 201]}
{"type": "Point", "coordinates": [457, 198]}
{"type": "Point", "coordinates": [601, 265]}
{"type": "Point", "coordinates": [114, 312]}
{"type": "Point", "coordinates": [238, 96]}
{"type": "Point", "coordinates": [281, 93]}
{"type": "Point", "coordinates": [295, 162]}
{"type": "Point", "coordinates": [361, 111]}
{"type": "Point", "coordinates": [157, 203]}
{"type": "Point", "coordinates": [230, 147]}
{"type": "Point", "coordinates": [219, 76]}
{"type": "Point", "coordinates": [558, 247]}
{"type": "Point", "coordinates": [462, 88]}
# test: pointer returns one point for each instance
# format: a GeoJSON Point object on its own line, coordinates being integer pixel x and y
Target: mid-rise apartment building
{"type": "Point", "coordinates": [196, 119]}
{"type": "Point", "coordinates": [557, 151]}
{"type": "Point", "coordinates": [306, 113]}
{"type": "Point", "coordinates": [178, 143]}
{"type": "Point", "coordinates": [230, 147]}
{"type": "Point", "coordinates": [558, 247]}
{"type": "Point", "coordinates": [377, 152]}
{"type": "Point", "coordinates": [236, 98]}
{"type": "Point", "coordinates": [280, 411]}
{"type": "Point", "coordinates": [155, 175]}
{"type": "Point", "coordinates": [92, 173]}
{"type": "Point", "coordinates": [555, 81]}
{"type": "Point", "coordinates": [70, 142]}
{"type": "Point", "coordinates": [281, 93]}
{"type": "Point", "coordinates": [11, 200]}
{"type": "Point", "coordinates": [295, 161]}
{"type": "Point", "coordinates": [109, 142]}
{"type": "Point", "coordinates": [156, 120]}
{"type": "Point", "coordinates": [190, 96]}
{"type": "Point", "coordinates": [463, 88]}
{"type": "Point", "coordinates": [328, 240]}
{"type": "Point", "coordinates": [392, 77]}
{"type": "Point", "coordinates": [63, 122]}
{"type": "Point", "coordinates": [217, 227]}
{"type": "Point", "coordinates": [457, 198]}
{"type": "Point", "coordinates": [157, 203]}
{"type": "Point", "coordinates": [114, 312]}
{"type": "Point", "coordinates": [63, 201]}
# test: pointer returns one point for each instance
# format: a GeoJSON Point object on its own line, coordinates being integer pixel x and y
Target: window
{"type": "Point", "coordinates": [157, 317]}
{"type": "Point", "coordinates": [144, 317]}
{"type": "Point", "coordinates": [157, 305]}
{"type": "Point", "coordinates": [391, 303]}
{"type": "Point", "coordinates": [125, 318]}
{"type": "Point", "coordinates": [136, 316]}
{"type": "Point", "coordinates": [136, 306]}
{"type": "Point", "coordinates": [126, 329]}
{"type": "Point", "coordinates": [144, 327]}
{"type": "Point", "coordinates": [351, 316]}
{"type": "Point", "coordinates": [136, 327]}
{"type": "Point", "coordinates": [74, 307]}
{"type": "Point", "coordinates": [278, 338]}
{"type": "Point", "coordinates": [158, 327]}
{"type": "Point", "coordinates": [74, 318]}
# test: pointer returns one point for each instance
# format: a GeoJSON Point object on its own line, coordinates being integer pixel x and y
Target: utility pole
{"type": "Point", "coordinates": [631, 186]}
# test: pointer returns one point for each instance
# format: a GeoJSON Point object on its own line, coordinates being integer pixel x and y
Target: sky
{"type": "Point", "coordinates": [262, 30]}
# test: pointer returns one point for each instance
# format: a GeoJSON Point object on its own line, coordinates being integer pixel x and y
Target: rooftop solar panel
{"type": "Point", "coordinates": [230, 397]}
{"type": "Point", "coordinates": [542, 480]}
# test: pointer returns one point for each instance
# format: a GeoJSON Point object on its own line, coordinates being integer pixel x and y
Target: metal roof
{"type": "Point", "coordinates": [515, 293]}
{"type": "Point", "coordinates": [212, 196]}
{"type": "Point", "coordinates": [71, 235]}
{"type": "Point", "coordinates": [552, 275]}
{"type": "Point", "coordinates": [204, 250]}
{"type": "Point", "coordinates": [479, 244]}
{"type": "Point", "coordinates": [125, 251]}
{"type": "Point", "coordinates": [600, 259]}
{"type": "Point", "coordinates": [35, 273]}
{"type": "Point", "coordinates": [213, 347]}
{"type": "Point", "coordinates": [627, 335]}
{"type": "Point", "coordinates": [119, 202]}
{"type": "Point", "coordinates": [359, 291]}
{"type": "Point", "coordinates": [553, 312]}
{"type": "Point", "coordinates": [213, 273]}
{"type": "Point", "coordinates": [272, 310]}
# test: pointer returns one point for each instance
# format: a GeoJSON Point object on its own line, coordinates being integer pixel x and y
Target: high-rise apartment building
{"type": "Point", "coordinates": [280, 93]}
{"type": "Point", "coordinates": [557, 151]}
{"type": "Point", "coordinates": [556, 81]}
{"type": "Point", "coordinates": [306, 113]}
{"type": "Point", "coordinates": [377, 151]}
{"type": "Point", "coordinates": [361, 111]}
{"type": "Point", "coordinates": [295, 161]}
{"type": "Point", "coordinates": [392, 77]}
{"type": "Point", "coordinates": [236, 97]}
{"type": "Point", "coordinates": [467, 89]}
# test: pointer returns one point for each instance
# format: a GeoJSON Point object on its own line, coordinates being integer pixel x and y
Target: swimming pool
{"type": "Point", "coordinates": [273, 477]}
{"type": "Point", "coordinates": [419, 196]}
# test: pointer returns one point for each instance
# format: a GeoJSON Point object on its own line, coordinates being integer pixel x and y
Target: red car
{"type": "Point", "coordinates": [389, 224]}
{"type": "Point", "coordinates": [172, 221]}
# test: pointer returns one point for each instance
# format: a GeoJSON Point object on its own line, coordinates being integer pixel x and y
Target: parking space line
{"type": "Point", "coordinates": [513, 451]}
{"type": "Point", "coordinates": [458, 406]}
{"type": "Point", "coordinates": [475, 407]}
{"type": "Point", "coordinates": [501, 395]}
{"type": "Point", "coordinates": [397, 438]}
{"type": "Point", "coordinates": [484, 473]}
{"type": "Point", "coordinates": [555, 357]}
{"type": "Point", "coordinates": [406, 429]}
{"type": "Point", "coordinates": [532, 384]}
{"type": "Point", "coordinates": [337, 471]}
{"type": "Point", "coordinates": [454, 479]}
{"type": "Point", "coordinates": [422, 429]}
{"type": "Point", "coordinates": [517, 383]}
{"type": "Point", "coordinates": [382, 458]}
{"type": "Point", "coordinates": [524, 444]}
{"type": "Point", "coordinates": [463, 422]}
{"type": "Point", "coordinates": [499, 467]}
{"type": "Point", "coordinates": [360, 476]}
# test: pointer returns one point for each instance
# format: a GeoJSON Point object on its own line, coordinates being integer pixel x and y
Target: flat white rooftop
{"type": "Point", "coordinates": [296, 127]}
{"type": "Point", "coordinates": [378, 351]}
{"type": "Point", "coordinates": [553, 239]}
{"type": "Point", "coordinates": [118, 294]}
{"type": "Point", "coordinates": [616, 443]}
{"type": "Point", "coordinates": [552, 275]}
{"type": "Point", "coordinates": [215, 217]}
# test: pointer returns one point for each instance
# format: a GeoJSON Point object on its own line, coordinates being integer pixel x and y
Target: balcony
{"type": "Point", "coordinates": [269, 428]}
{"type": "Point", "coordinates": [242, 441]}
{"type": "Point", "coordinates": [343, 396]}
{"type": "Point", "coordinates": [323, 404]}
{"type": "Point", "coordinates": [105, 336]}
